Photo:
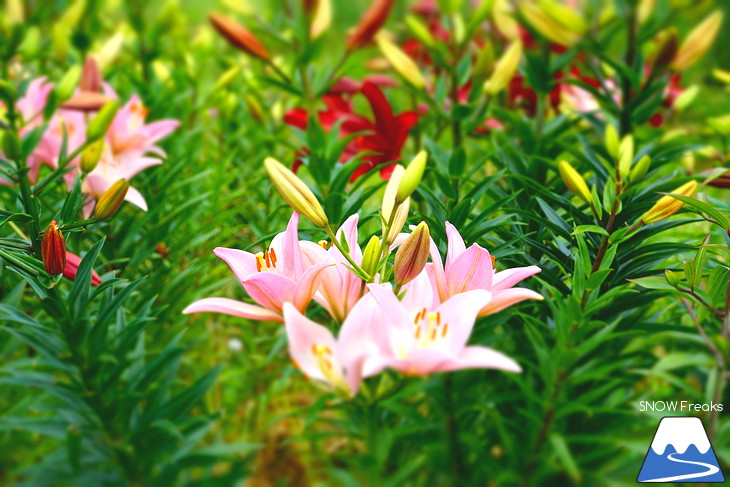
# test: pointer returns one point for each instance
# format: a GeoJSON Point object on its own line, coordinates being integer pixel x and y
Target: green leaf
{"type": "Point", "coordinates": [589, 228]}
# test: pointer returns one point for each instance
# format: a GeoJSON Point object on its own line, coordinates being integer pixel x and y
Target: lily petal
{"type": "Point", "coordinates": [508, 297]}
{"type": "Point", "coordinates": [233, 308]}
{"type": "Point", "coordinates": [509, 277]}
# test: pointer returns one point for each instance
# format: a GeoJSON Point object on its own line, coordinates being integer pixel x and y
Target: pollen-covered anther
{"type": "Point", "coordinates": [323, 244]}
{"type": "Point", "coordinates": [266, 260]}
{"type": "Point", "coordinates": [435, 331]}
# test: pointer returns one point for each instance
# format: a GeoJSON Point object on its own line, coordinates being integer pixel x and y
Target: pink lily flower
{"type": "Point", "coordinates": [417, 337]}
{"type": "Point", "coordinates": [337, 362]}
{"type": "Point", "coordinates": [473, 268]}
{"type": "Point", "coordinates": [130, 141]}
{"type": "Point", "coordinates": [73, 262]}
{"type": "Point", "coordinates": [271, 278]}
{"type": "Point", "coordinates": [339, 288]}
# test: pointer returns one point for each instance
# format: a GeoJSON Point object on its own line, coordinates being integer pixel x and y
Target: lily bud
{"type": "Point", "coordinates": [11, 146]}
{"type": "Point", "coordinates": [238, 36]}
{"type": "Point", "coordinates": [553, 31]}
{"type": "Point", "coordinates": [370, 24]}
{"type": "Point", "coordinates": [295, 192]}
{"type": "Point", "coordinates": [53, 249]}
{"type": "Point", "coordinates": [612, 141]}
{"type": "Point", "coordinates": [565, 16]}
{"type": "Point", "coordinates": [321, 18]}
{"type": "Point", "coordinates": [389, 206]}
{"type": "Point", "coordinates": [640, 169]}
{"type": "Point", "coordinates": [73, 262]}
{"type": "Point", "coordinates": [401, 62]}
{"type": "Point", "coordinates": [721, 75]}
{"type": "Point", "coordinates": [90, 76]}
{"type": "Point", "coordinates": [420, 30]}
{"type": "Point", "coordinates": [90, 156]}
{"type": "Point", "coordinates": [686, 98]}
{"type": "Point", "coordinates": [574, 181]}
{"type": "Point", "coordinates": [370, 255]}
{"type": "Point", "coordinates": [66, 86]}
{"type": "Point", "coordinates": [109, 203]}
{"type": "Point", "coordinates": [411, 257]}
{"type": "Point", "coordinates": [698, 42]}
{"type": "Point", "coordinates": [625, 155]}
{"type": "Point", "coordinates": [671, 277]}
{"type": "Point", "coordinates": [411, 177]}
{"type": "Point", "coordinates": [668, 205]}
{"type": "Point", "coordinates": [102, 120]}
{"type": "Point", "coordinates": [505, 70]}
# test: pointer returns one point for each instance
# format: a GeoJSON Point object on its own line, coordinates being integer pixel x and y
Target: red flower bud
{"type": "Point", "coordinates": [239, 36]}
{"type": "Point", "coordinates": [72, 267]}
{"type": "Point", "coordinates": [53, 250]}
{"type": "Point", "coordinates": [370, 24]}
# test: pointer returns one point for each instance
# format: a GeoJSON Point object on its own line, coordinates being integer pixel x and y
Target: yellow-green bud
{"type": "Point", "coordinates": [612, 141]}
{"type": "Point", "coordinates": [370, 255]}
{"type": "Point", "coordinates": [11, 146]}
{"type": "Point", "coordinates": [295, 192]}
{"type": "Point", "coordinates": [640, 169]}
{"type": "Point", "coordinates": [90, 156]}
{"type": "Point", "coordinates": [574, 181]}
{"type": "Point", "coordinates": [412, 255]}
{"type": "Point", "coordinates": [66, 87]}
{"type": "Point", "coordinates": [625, 155]}
{"type": "Point", "coordinates": [400, 61]}
{"type": "Point", "coordinates": [109, 203]}
{"type": "Point", "coordinates": [698, 42]}
{"type": "Point", "coordinates": [668, 205]}
{"type": "Point", "coordinates": [100, 123]}
{"type": "Point", "coordinates": [420, 30]}
{"type": "Point", "coordinates": [411, 177]}
{"type": "Point", "coordinates": [505, 70]}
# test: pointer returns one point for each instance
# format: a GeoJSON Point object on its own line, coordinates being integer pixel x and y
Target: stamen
{"type": "Point", "coordinates": [323, 244]}
{"type": "Point", "coordinates": [267, 258]}
{"type": "Point", "coordinates": [444, 330]}
{"type": "Point", "coordinates": [433, 334]}
{"type": "Point", "coordinates": [493, 260]}
{"type": "Point", "coordinates": [438, 317]}
{"type": "Point", "coordinates": [273, 257]}
{"type": "Point", "coordinates": [259, 261]}
{"type": "Point", "coordinates": [418, 332]}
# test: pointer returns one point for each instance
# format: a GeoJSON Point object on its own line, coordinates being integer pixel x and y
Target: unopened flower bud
{"type": "Point", "coordinates": [412, 255]}
{"type": "Point", "coordinates": [553, 31]}
{"type": "Point", "coordinates": [640, 169]}
{"type": "Point", "coordinates": [671, 277]}
{"type": "Point", "coordinates": [625, 155]}
{"type": "Point", "coordinates": [565, 16]}
{"type": "Point", "coordinates": [11, 146]}
{"type": "Point", "coordinates": [698, 42]}
{"type": "Point", "coordinates": [295, 192]}
{"type": "Point", "coordinates": [370, 255]}
{"type": "Point", "coordinates": [686, 98]}
{"type": "Point", "coordinates": [370, 24]}
{"type": "Point", "coordinates": [401, 62]}
{"type": "Point", "coordinates": [668, 205]}
{"type": "Point", "coordinates": [109, 202]}
{"type": "Point", "coordinates": [90, 76]}
{"type": "Point", "coordinates": [389, 206]}
{"type": "Point", "coordinates": [53, 249]}
{"type": "Point", "coordinates": [321, 18]}
{"type": "Point", "coordinates": [73, 262]}
{"type": "Point", "coordinates": [90, 156]}
{"type": "Point", "coordinates": [420, 30]}
{"type": "Point", "coordinates": [67, 85]}
{"type": "Point", "coordinates": [102, 120]}
{"type": "Point", "coordinates": [612, 141]}
{"type": "Point", "coordinates": [574, 181]}
{"type": "Point", "coordinates": [238, 36]}
{"type": "Point", "coordinates": [411, 177]}
{"type": "Point", "coordinates": [505, 70]}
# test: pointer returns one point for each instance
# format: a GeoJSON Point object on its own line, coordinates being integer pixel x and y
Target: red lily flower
{"type": "Point", "coordinates": [383, 137]}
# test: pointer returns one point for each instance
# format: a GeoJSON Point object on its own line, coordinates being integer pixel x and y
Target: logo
{"type": "Point", "coordinates": [680, 452]}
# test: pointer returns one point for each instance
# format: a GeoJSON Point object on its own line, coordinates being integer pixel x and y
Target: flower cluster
{"type": "Point", "coordinates": [127, 146]}
{"type": "Point", "coordinates": [418, 324]}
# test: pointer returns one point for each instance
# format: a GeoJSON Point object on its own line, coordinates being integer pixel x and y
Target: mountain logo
{"type": "Point", "coordinates": [680, 452]}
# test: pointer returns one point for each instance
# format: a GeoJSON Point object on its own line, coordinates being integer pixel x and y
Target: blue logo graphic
{"type": "Point", "coordinates": [680, 452]}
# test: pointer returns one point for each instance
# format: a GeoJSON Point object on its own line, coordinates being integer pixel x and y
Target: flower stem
{"type": "Point", "coordinates": [345, 253]}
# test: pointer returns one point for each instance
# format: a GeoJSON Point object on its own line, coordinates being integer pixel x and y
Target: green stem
{"type": "Point", "coordinates": [345, 253]}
